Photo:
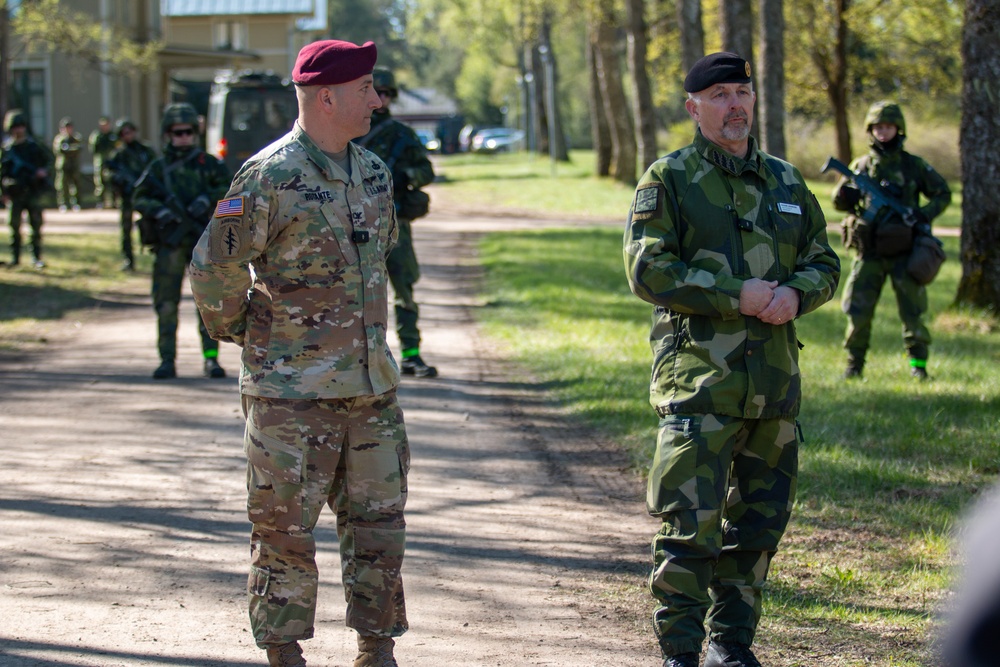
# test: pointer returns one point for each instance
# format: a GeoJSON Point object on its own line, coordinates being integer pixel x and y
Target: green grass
{"type": "Point", "coordinates": [888, 465]}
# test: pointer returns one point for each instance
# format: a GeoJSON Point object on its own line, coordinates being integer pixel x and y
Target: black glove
{"type": "Point", "coordinates": [916, 219]}
{"type": "Point", "coordinates": [849, 196]}
{"type": "Point", "coordinates": [400, 181]}
{"type": "Point", "coordinates": [164, 217]}
{"type": "Point", "coordinates": [199, 207]}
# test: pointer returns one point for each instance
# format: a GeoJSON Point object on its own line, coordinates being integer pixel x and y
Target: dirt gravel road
{"type": "Point", "coordinates": [125, 535]}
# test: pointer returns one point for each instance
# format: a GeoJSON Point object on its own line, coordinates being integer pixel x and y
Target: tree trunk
{"type": "Point", "coordinates": [553, 119]}
{"type": "Point", "coordinates": [771, 77]}
{"type": "Point", "coordinates": [837, 84]}
{"type": "Point", "coordinates": [623, 150]}
{"type": "Point", "coordinates": [980, 282]}
{"type": "Point", "coordinates": [598, 122]}
{"type": "Point", "coordinates": [736, 25]}
{"type": "Point", "coordinates": [642, 96]}
{"type": "Point", "coordinates": [692, 32]}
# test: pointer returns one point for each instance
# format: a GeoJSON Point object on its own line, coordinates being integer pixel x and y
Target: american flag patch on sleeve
{"type": "Point", "coordinates": [229, 207]}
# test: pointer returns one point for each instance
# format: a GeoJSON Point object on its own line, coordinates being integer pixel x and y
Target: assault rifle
{"type": "Point", "coordinates": [880, 199]}
{"type": "Point", "coordinates": [187, 220]}
{"type": "Point", "coordinates": [22, 173]}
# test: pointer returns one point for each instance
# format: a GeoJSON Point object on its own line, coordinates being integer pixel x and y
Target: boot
{"type": "Point", "coordinates": [918, 369]}
{"type": "Point", "coordinates": [855, 365]}
{"type": "Point", "coordinates": [165, 370]}
{"type": "Point", "coordinates": [285, 655]}
{"type": "Point", "coordinates": [213, 369]}
{"type": "Point", "coordinates": [729, 654]}
{"type": "Point", "coordinates": [681, 660]}
{"type": "Point", "coordinates": [375, 652]}
{"type": "Point", "coordinates": [415, 366]}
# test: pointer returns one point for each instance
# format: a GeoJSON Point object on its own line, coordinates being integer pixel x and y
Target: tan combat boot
{"type": "Point", "coordinates": [375, 652]}
{"type": "Point", "coordinates": [285, 655]}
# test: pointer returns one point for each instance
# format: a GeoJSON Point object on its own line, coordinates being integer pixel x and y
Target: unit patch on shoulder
{"type": "Point", "coordinates": [648, 202]}
{"type": "Point", "coordinates": [229, 239]}
{"type": "Point", "coordinates": [228, 207]}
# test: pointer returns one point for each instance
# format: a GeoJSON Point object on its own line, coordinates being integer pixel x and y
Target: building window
{"type": "Point", "coordinates": [230, 35]}
{"type": "Point", "coordinates": [28, 93]}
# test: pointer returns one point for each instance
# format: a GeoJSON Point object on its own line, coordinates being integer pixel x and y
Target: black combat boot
{"type": "Point", "coordinates": [213, 369]}
{"type": "Point", "coordinates": [681, 660]}
{"type": "Point", "coordinates": [165, 370]}
{"type": "Point", "coordinates": [415, 366]}
{"type": "Point", "coordinates": [730, 654]}
{"type": "Point", "coordinates": [918, 369]}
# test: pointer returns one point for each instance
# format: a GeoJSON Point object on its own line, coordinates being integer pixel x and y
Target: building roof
{"type": "Point", "coordinates": [235, 7]}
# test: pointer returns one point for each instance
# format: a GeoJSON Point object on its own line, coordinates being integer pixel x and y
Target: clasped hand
{"type": "Point", "coordinates": [769, 302]}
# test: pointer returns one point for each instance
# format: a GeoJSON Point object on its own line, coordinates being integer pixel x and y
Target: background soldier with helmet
{"type": "Point", "coordinates": [126, 163]}
{"type": "Point", "coordinates": [176, 195]}
{"type": "Point", "coordinates": [403, 153]}
{"type": "Point", "coordinates": [102, 144]}
{"type": "Point", "coordinates": [66, 146]}
{"type": "Point", "coordinates": [883, 248]}
{"type": "Point", "coordinates": [24, 174]}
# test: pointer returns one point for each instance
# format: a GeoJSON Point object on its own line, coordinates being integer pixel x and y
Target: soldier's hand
{"type": "Point", "coordinates": [755, 295]}
{"type": "Point", "coordinates": [783, 307]}
{"type": "Point", "coordinates": [915, 218]}
{"type": "Point", "coordinates": [199, 207]}
{"type": "Point", "coordinates": [400, 180]}
{"type": "Point", "coordinates": [165, 217]}
{"type": "Point", "coordinates": [849, 196]}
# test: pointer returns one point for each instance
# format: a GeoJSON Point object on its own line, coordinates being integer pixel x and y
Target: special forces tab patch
{"type": "Point", "coordinates": [648, 201]}
{"type": "Point", "coordinates": [229, 239]}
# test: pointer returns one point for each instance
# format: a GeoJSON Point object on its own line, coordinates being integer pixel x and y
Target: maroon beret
{"type": "Point", "coordinates": [331, 61]}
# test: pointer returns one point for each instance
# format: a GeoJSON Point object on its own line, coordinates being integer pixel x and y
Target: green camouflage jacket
{"type": "Point", "coordinates": [401, 150]}
{"type": "Point", "coordinates": [101, 145]}
{"type": "Point", "coordinates": [908, 176]}
{"type": "Point", "coordinates": [702, 222]}
{"type": "Point", "coordinates": [175, 181]}
{"type": "Point", "coordinates": [312, 316]}
{"type": "Point", "coordinates": [66, 148]}
{"type": "Point", "coordinates": [19, 164]}
{"type": "Point", "coordinates": [126, 163]}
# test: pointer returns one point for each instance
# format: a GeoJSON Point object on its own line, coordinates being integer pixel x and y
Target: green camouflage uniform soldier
{"type": "Point", "coordinates": [123, 168]}
{"type": "Point", "coordinates": [401, 150]}
{"type": "Point", "coordinates": [24, 173]}
{"type": "Point", "coordinates": [292, 268]}
{"type": "Point", "coordinates": [879, 252]}
{"type": "Point", "coordinates": [729, 246]}
{"type": "Point", "coordinates": [66, 147]}
{"type": "Point", "coordinates": [176, 195]}
{"type": "Point", "coordinates": [102, 143]}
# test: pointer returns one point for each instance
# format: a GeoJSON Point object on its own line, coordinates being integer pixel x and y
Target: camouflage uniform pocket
{"type": "Point", "coordinates": [274, 480]}
{"type": "Point", "coordinates": [671, 485]}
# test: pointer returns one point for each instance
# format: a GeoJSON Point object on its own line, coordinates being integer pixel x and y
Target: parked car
{"type": "Point", "coordinates": [496, 140]}
{"type": "Point", "coordinates": [431, 143]}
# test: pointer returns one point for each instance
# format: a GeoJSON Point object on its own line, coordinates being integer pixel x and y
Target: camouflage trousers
{"type": "Point", "coordinates": [724, 489]}
{"type": "Point", "coordinates": [861, 294]}
{"type": "Point", "coordinates": [68, 184]}
{"type": "Point", "coordinates": [404, 271]}
{"type": "Point", "coordinates": [168, 274]}
{"type": "Point", "coordinates": [18, 206]}
{"type": "Point", "coordinates": [353, 455]}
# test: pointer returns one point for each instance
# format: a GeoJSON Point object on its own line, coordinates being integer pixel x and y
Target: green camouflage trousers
{"type": "Point", "coordinates": [168, 274]}
{"type": "Point", "coordinates": [353, 455]}
{"type": "Point", "coordinates": [724, 489]}
{"type": "Point", "coordinates": [17, 207]}
{"type": "Point", "coordinates": [68, 185]}
{"type": "Point", "coordinates": [404, 271]}
{"type": "Point", "coordinates": [861, 295]}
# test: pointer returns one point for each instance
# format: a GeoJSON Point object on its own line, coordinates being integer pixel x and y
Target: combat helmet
{"type": "Point", "coordinates": [384, 79]}
{"type": "Point", "coordinates": [124, 122]}
{"type": "Point", "coordinates": [885, 112]}
{"type": "Point", "coordinates": [181, 113]}
{"type": "Point", "coordinates": [14, 117]}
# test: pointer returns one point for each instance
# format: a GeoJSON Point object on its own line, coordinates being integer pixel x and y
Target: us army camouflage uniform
{"type": "Point", "coordinates": [725, 386]}
{"type": "Point", "coordinates": [186, 175]}
{"type": "Point", "coordinates": [318, 379]}
{"type": "Point", "coordinates": [400, 148]}
{"type": "Point", "coordinates": [908, 177]}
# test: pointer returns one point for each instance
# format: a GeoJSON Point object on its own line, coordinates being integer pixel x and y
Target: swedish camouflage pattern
{"type": "Point", "coordinates": [400, 148]}
{"type": "Point", "coordinates": [66, 148]}
{"type": "Point", "coordinates": [702, 223]}
{"type": "Point", "coordinates": [19, 164]}
{"type": "Point", "coordinates": [909, 177]}
{"type": "Point", "coordinates": [187, 174]}
{"type": "Point", "coordinates": [726, 386]}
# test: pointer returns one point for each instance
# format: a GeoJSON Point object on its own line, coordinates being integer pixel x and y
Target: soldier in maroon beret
{"type": "Point", "coordinates": [314, 211]}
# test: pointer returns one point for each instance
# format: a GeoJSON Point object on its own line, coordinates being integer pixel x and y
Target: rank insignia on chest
{"type": "Point", "coordinates": [229, 207]}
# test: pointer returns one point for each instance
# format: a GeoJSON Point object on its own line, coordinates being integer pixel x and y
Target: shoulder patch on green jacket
{"type": "Point", "coordinates": [648, 203]}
